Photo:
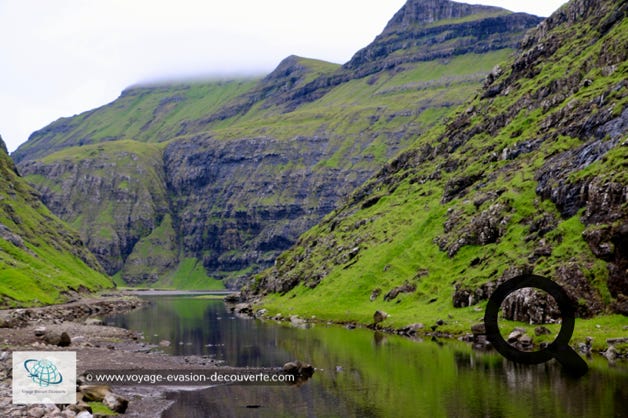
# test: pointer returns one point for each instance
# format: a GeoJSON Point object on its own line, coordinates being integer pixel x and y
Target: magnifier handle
{"type": "Point", "coordinates": [572, 363]}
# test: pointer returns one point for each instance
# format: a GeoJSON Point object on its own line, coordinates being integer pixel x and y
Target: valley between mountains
{"type": "Point", "coordinates": [464, 146]}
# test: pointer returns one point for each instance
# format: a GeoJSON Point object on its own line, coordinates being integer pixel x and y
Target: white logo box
{"type": "Point", "coordinates": [44, 377]}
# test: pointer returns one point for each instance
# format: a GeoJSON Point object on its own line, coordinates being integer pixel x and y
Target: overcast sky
{"type": "Point", "coordinates": [62, 57]}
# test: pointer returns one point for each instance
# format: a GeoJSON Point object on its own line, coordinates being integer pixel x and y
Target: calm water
{"type": "Point", "coordinates": [366, 374]}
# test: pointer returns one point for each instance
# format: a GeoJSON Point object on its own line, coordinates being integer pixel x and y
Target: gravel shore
{"type": "Point", "coordinates": [97, 347]}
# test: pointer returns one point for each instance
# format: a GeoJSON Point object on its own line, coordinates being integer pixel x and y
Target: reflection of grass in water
{"type": "Point", "coordinates": [170, 317]}
{"type": "Point", "coordinates": [388, 375]}
{"type": "Point", "coordinates": [208, 297]}
{"type": "Point", "coordinates": [191, 308]}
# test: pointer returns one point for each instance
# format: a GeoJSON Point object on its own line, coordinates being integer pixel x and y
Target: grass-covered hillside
{"type": "Point", "coordinates": [225, 175]}
{"type": "Point", "coordinates": [41, 258]}
{"type": "Point", "coordinates": [528, 176]}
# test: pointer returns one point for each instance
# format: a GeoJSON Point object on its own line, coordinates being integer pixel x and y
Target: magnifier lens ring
{"type": "Point", "coordinates": [494, 305]}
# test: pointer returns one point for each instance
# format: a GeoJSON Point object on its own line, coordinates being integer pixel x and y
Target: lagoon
{"type": "Point", "coordinates": [362, 373]}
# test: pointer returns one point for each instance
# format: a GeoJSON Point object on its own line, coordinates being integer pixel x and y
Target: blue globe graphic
{"type": "Point", "coordinates": [43, 372]}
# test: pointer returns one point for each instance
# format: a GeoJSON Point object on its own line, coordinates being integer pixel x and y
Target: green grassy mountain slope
{"type": "Point", "coordinates": [530, 175]}
{"type": "Point", "coordinates": [237, 170]}
{"type": "Point", "coordinates": [41, 259]}
{"type": "Point", "coordinates": [114, 193]}
{"type": "Point", "coordinates": [142, 113]}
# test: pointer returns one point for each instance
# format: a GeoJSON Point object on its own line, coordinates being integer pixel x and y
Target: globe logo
{"type": "Point", "coordinates": [43, 372]}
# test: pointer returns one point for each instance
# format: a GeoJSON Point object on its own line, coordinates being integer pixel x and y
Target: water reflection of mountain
{"type": "Point", "coordinates": [365, 374]}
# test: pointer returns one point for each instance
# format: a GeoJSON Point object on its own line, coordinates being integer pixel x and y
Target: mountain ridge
{"type": "Point", "coordinates": [409, 37]}
{"type": "Point", "coordinates": [529, 176]}
{"type": "Point", "coordinates": [242, 168]}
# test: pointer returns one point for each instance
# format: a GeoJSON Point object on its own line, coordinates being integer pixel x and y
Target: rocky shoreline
{"type": "Point", "coordinates": [616, 348]}
{"type": "Point", "coordinates": [73, 326]}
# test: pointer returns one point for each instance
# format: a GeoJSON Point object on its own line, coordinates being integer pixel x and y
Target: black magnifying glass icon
{"type": "Point", "coordinates": [559, 348]}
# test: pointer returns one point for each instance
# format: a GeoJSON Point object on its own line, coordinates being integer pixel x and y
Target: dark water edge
{"type": "Point", "coordinates": [361, 373]}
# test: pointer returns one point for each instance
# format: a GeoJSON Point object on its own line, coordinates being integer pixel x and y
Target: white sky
{"type": "Point", "coordinates": [62, 57]}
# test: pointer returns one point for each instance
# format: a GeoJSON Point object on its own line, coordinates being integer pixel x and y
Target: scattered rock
{"type": "Point", "coordinates": [514, 336]}
{"type": "Point", "coordinates": [12, 319]}
{"type": "Point", "coordinates": [354, 252]}
{"type": "Point", "coordinates": [243, 308]}
{"type": "Point", "coordinates": [61, 339]}
{"type": "Point", "coordinates": [39, 331]}
{"type": "Point", "coordinates": [68, 413]}
{"type": "Point", "coordinates": [541, 330]}
{"type": "Point", "coordinates": [64, 340]}
{"type": "Point", "coordinates": [525, 340]}
{"type": "Point", "coordinates": [610, 353]}
{"type": "Point", "coordinates": [233, 298]}
{"type": "Point", "coordinates": [36, 412]}
{"type": "Point", "coordinates": [478, 329]}
{"type": "Point", "coordinates": [80, 405]}
{"type": "Point", "coordinates": [302, 371]}
{"type": "Point", "coordinates": [586, 347]}
{"type": "Point", "coordinates": [164, 343]}
{"type": "Point", "coordinates": [4, 321]}
{"type": "Point", "coordinates": [52, 409]}
{"type": "Point", "coordinates": [620, 306]}
{"type": "Point", "coordinates": [115, 402]}
{"type": "Point", "coordinates": [375, 293]}
{"type": "Point", "coordinates": [407, 287]}
{"type": "Point", "coordinates": [621, 340]}
{"type": "Point", "coordinates": [94, 393]}
{"type": "Point", "coordinates": [296, 321]}
{"type": "Point", "coordinates": [465, 296]}
{"type": "Point", "coordinates": [411, 329]}
{"type": "Point", "coordinates": [379, 316]}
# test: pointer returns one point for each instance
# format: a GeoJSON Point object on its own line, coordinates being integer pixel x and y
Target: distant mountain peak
{"type": "Point", "coordinates": [429, 11]}
{"type": "Point", "coordinates": [424, 30]}
{"type": "Point", "coordinates": [292, 66]}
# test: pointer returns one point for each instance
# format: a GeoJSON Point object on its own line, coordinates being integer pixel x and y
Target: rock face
{"type": "Point", "coordinates": [231, 173]}
{"type": "Point", "coordinates": [529, 176]}
{"type": "Point", "coordinates": [459, 28]}
{"type": "Point", "coordinates": [257, 210]}
{"type": "Point", "coordinates": [86, 187]}
{"type": "Point", "coordinates": [424, 30]}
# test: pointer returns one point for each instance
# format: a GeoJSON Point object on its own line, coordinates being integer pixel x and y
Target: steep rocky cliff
{"type": "Point", "coordinates": [264, 193]}
{"type": "Point", "coordinates": [529, 176]}
{"type": "Point", "coordinates": [41, 259]}
{"type": "Point", "coordinates": [458, 28]}
{"type": "Point", "coordinates": [114, 193]}
{"type": "Point", "coordinates": [232, 172]}
{"type": "Point", "coordinates": [423, 30]}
